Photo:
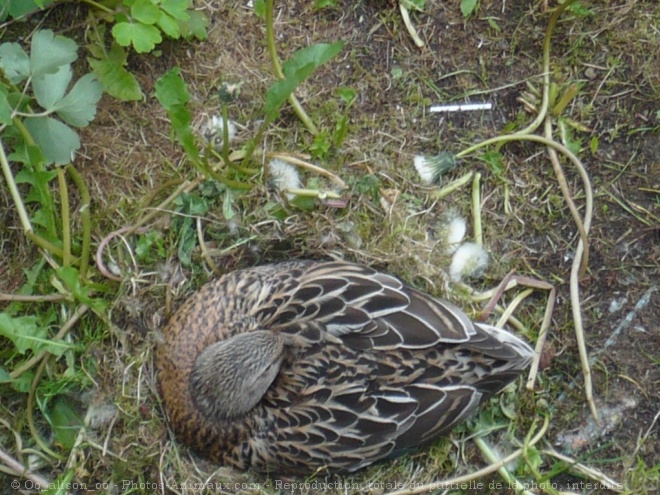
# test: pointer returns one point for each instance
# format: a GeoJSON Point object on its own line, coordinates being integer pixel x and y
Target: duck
{"type": "Point", "coordinates": [302, 367]}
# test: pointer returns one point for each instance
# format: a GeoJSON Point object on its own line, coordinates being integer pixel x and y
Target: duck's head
{"type": "Point", "coordinates": [231, 376]}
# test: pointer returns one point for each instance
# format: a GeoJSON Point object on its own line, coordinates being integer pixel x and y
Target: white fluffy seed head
{"type": "Point", "coordinates": [213, 131]}
{"type": "Point", "coordinates": [469, 260]}
{"type": "Point", "coordinates": [425, 169]}
{"type": "Point", "coordinates": [455, 229]}
{"type": "Point", "coordinates": [283, 176]}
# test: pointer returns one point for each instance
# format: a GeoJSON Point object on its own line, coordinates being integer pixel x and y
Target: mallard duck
{"type": "Point", "coordinates": [304, 366]}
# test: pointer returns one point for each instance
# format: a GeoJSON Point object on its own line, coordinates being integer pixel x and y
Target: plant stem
{"type": "Point", "coordinates": [225, 133]}
{"type": "Point", "coordinates": [85, 218]}
{"type": "Point", "coordinates": [66, 227]}
{"type": "Point", "coordinates": [476, 210]}
{"type": "Point", "coordinates": [99, 6]}
{"type": "Point", "coordinates": [13, 190]}
{"type": "Point", "coordinates": [277, 68]}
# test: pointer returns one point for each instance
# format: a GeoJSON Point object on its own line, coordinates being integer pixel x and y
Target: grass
{"type": "Point", "coordinates": [390, 222]}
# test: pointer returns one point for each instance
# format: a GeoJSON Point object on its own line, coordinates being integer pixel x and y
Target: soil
{"type": "Point", "coordinates": [609, 51]}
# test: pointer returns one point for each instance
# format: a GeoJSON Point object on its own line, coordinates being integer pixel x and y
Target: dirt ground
{"type": "Point", "coordinates": [610, 50]}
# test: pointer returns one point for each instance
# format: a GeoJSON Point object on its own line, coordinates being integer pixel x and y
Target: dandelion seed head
{"type": "Point", "coordinates": [469, 260]}
{"type": "Point", "coordinates": [283, 176]}
{"type": "Point", "coordinates": [213, 131]}
{"type": "Point", "coordinates": [425, 169]}
{"type": "Point", "coordinates": [455, 229]}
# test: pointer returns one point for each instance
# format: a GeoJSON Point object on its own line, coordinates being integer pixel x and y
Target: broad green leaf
{"type": "Point", "coordinates": [18, 8]}
{"type": "Point", "coordinates": [116, 80]}
{"type": "Point", "coordinates": [4, 376]}
{"type": "Point", "coordinates": [78, 107]}
{"type": "Point", "coordinates": [176, 8]}
{"type": "Point", "coordinates": [145, 12]}
{"type": "Point", "coordinates": [468, 7]}
{"type": "Point", "coordinates": [65, 421]}
{"type": "Point", "coordinates": [169, 26]}
{"type": "Point", "coordinates": [50, 52]}
{"type": "Point", "coordinates": [195, 26]}
{"type": "Point", "coordinates": [69, 276]}
{"type": "Point", "coordinates": [171, 89]}
{"type": "Point", "coordinates": [172, 93]}
{"type": "Point", "coordinates": [300, 66]}
{"type": "Point", "coordinates": [28, 333]}
{"type": "Point", "coordinates": [260, 8]}
{"type": "Point", "coordinates": [57, 141]}
{"type": "Point", "coordinates": [5, 110]}
{"type": "Point", "coordinates": [50, 88]}
{"type": "Point", "coordinates": [143, 38]}
{"type": "Point", "coordinates": [15, 62]}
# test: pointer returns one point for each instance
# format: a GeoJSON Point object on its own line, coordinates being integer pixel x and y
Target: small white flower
{"type": "Point", "coordinates": [425, 169]}
{"type": "Point", "coordinates": [283, 176]}
{"type": "Point", "coordinates": [213, 131]}
{"type": "Point", "coordinates": [469, 260]}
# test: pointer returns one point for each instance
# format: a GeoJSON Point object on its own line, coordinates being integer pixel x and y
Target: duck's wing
{"type": "Point", "coordinates": [367, 309]}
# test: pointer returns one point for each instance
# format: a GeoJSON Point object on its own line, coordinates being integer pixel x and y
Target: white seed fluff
{"type": "Point", "coordinates": [456, 228]}
{"type": "Point", "coordinates": [425, 169]}
{"type": "Point", "coordinates": [469, 260]}
{"type": "Point", "coordinates": [283, 176]}
{"type": "Point", "coordinates": [212, 131]}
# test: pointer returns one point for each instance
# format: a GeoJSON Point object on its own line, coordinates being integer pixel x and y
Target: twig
{"type": "Point", "coordinates": [303, 164]}
{"type": "Point", "coordinates": [452, 482]}
{"type": "Point", "coordinates": [40, 483]}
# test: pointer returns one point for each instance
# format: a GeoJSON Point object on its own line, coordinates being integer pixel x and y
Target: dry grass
{"type": "Point", "coordinates": [131, 165]}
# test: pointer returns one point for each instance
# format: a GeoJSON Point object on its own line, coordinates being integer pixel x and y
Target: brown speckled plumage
{"type": "Point", "coordinates": [370, 368]}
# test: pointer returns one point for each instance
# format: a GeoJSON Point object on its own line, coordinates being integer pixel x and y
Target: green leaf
{"type": "Point", "coordinates": [260, 8]}
{"type": "Point", "coordinates": [116, 80]}
{"type": "Point", "coordinates": [176, 8]}
{"type": "Point", "coordinates": [28, 333]}
{"type": "Point", "coordinates": [414, 4]}
{"type": "Point", "coordinates": [78, 108]}
{"type": "Point", "coordinates": [145, 12]}
{"type": "Point", "coordinates": [15, 62]}
{"type": "Point", "coordinates": [468, 7]}
{"type": "Point", "coordinates": [169, 26]}
{"type": "Point", "coordinates": [50, 52]}
{"type": "Point", "coordinates": [4, 376]}
{"type": "Point", "coordinates": [18, 8]}
{"type": "Point", "coordinates": [299, 67]}
{"type": "Point", "coordinates": [320, 4]}
{"type": "Point", "coordinates": [57, 141]}
{"type": "Point", "coordinates": [171, 89]}
{"type": "Point", "coordinates": [172, 93]}
{"type": "Point", "coordinates": [195, 26]}
{"type": "Point", "coordinates": [65, 421]}
{"type": "Point", "coordinates": [143, 38]}
{"type": "Point", "coordinates": [50, 88]}
{"type": "Point", "coordinates": [70, 277]}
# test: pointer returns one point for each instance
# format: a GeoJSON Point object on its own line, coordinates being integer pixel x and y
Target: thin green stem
{"type": "Point", "coordinates": [225, 133]}
{"type": "Point", "coordinates": [277, 68]}
{"type": "Point", "coordinates": [476, 209]}
{"type": "Point", "coordinates": [13, 190]}
{"type": "Point", "coordinates": [66, 217]}
{"type": "Point", "coordinates": [85, 218]}
{"type": "Point", "coordinates": [547, 44]}
{"type": "Point", "coordinates": [99, 6]}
